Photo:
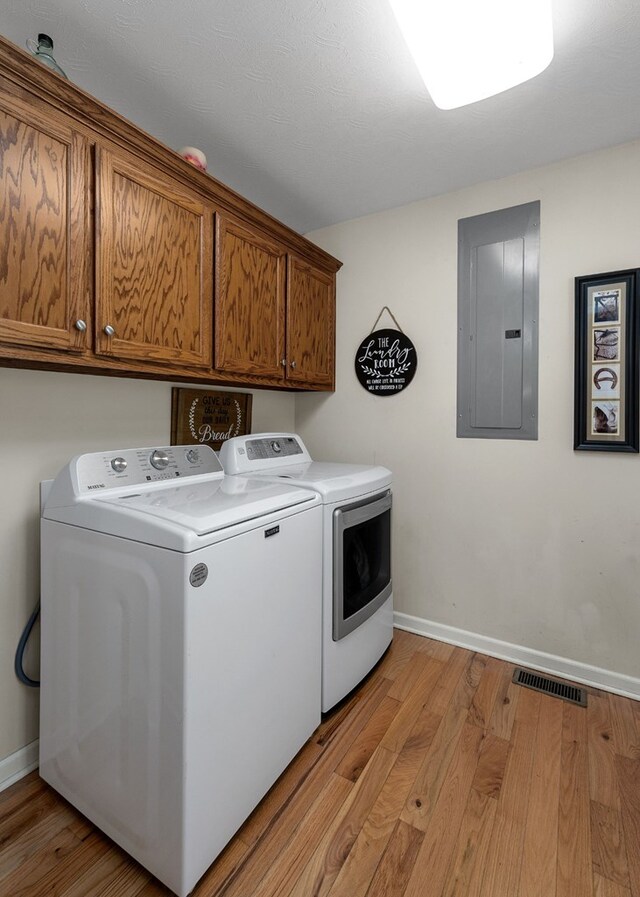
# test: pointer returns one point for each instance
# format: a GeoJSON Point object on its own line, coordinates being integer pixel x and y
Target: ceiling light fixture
{"type": "Point", "coordinates": [468, 50]}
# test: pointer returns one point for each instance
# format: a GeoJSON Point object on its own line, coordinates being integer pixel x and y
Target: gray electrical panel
{"type": "Point", "coordinates": [498, 257]}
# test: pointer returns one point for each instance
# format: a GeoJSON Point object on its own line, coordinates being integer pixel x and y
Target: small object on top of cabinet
{"type": "Point", "coordinates": [195, 156]}
{"type": "Point", "coordinates": [42, 49]}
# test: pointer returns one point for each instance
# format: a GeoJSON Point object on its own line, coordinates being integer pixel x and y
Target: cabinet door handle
{"type": "Point", "coordinates": [80, 325]}
{"type": "Point", "coordinates": [284, 362]}
{"type": "Point", "coordinates": [293, 365]}
{"type": "Point", "coordinates": [109, 330]}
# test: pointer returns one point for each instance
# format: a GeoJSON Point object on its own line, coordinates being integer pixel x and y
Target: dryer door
{"type": "Point", "coordinates": [361, 562]}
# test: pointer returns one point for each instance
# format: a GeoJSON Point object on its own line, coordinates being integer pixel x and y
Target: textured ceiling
{"type": "Point", "coordinates": [314, 110]}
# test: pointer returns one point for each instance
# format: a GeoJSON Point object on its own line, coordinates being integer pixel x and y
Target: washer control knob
{"type": "Point", "coordinates": [119, 464]}
{"type": "Point", "coordinates": [159, 459]}
{"type": "Point", "coordinates": [276, 447]}
{"type": "Point", "coordinates": [192, 456]}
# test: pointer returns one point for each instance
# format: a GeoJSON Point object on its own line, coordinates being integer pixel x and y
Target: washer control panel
{"type": "Point", "coordinates": [99, 471]}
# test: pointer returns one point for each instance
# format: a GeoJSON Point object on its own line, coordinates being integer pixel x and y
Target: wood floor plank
{"type": "Point", "coordinates": [24, 877]}
{"type": "Point", "coordinates": [154, 888]}
{"type": "Point", "coordinates": [343, 713]}
{"type": "Point", "coordinates": [401, 650]}
{"type": "Point", "coordinates": [603, 783]}
{"type": "Point", "coordinates": [602, 887]}
{"type": "Point", "coordinates": [574, 871]}
{"type": "Point", "coordinates": [441, 835]}
{"type": "Point", "coordinates": [438, 650]}
{"type": "Point", "coordinates": [25, 814]}
{"type": "Point", "coordinates": [486, 694]}
{"type": "Point", "coordinates": [471, 678]}
{"type": "Point", "coordinates": [126, 880]}
{"type": "Point", "coordinates": [608, 846]}
{"type": "Point", "coordinates": [74, 866]}
{"type": "Point", "coordinates": [399, 859]}
{"type": "Point", "coordinates": [21, 793]}
{"type": "Point", "coordinates": [283, 873]}
{"type": "Point", "coordinates": [423, 796]}
{"type": "Point", "coordinates": [332, 851]}
{"type": "Point", "coordinates": [465, 872]}
{"type": "Point", "coordinates": [540, 851]}
{"type": "Point", "coordinates": [360, 752]}
{"type": "Point", "coordinates": [491, 765]}
{"type": "Point", "coordinates": [419, 697]}
{"type": "Point", "coordinates": [407, 677]}
{"type": "Point", "coordinates": [457, 667]}
{"type": "Point", "coordinates": [504, 857]}
{"type": "Point", "coordinates": [422, 799]}
{"type": "Point", "coordinates": [355, 876]}
{"type": "Point", "coordinates": [34, 825]}
{"type": "Point", "coordinates": [626, 733]}
{"type": "Point", "coordinates": [505, 705]}
{"type": "Point", "coordinates": [628, 772]}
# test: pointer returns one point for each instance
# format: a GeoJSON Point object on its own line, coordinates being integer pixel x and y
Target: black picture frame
{"type": "Point", "coordinates": [606, 362]}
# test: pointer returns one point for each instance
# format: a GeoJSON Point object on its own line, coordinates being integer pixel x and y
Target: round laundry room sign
{"type": "Point", "coordinates": [386, 362]}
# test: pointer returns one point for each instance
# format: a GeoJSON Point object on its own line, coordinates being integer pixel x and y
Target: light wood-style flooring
{"type": "Point", "coordinates": [437, 777]}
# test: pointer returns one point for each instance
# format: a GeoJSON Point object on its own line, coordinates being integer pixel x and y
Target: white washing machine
{"type": "Point", "coordinates": [357, 596]}
{"type": "Point", "coordinates": [180, 647]}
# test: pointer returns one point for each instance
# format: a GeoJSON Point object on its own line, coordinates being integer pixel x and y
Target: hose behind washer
{"type": "Point", "coordinates": [22, 644]}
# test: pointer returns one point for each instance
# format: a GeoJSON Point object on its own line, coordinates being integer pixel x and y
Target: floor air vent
{"type": "Point", "coordinates": [552, 687]}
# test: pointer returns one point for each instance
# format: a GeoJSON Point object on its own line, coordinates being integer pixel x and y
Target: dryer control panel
{"type": "Point", "coordinates": [262, 451]}
{"type": "Point", "coordinates": [97, 472]}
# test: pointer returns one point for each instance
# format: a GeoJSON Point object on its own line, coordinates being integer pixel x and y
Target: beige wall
{"type": "Point", "coordinates": [527, 542]}
{"type": "Point", "coordinates": [45, 418]}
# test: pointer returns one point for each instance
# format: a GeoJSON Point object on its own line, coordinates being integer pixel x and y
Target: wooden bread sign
{"type": "Point", "coordinates": [208, 417]}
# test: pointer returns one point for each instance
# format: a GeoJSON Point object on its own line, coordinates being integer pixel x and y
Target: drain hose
{"type": "Point", "coordinates": [22, 644]}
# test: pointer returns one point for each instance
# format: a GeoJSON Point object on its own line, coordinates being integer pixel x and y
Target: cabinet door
{"type": "Point", "coordinates": [249, 325]}
{"type": "Point", "coordinates": [154, 262]}
{"type": "Point", "coordinates": [44, 167]}
{"type": "Point", "coordinates": [310, 324]}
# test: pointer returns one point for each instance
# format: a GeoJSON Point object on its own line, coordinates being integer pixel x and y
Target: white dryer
{"type": "Point", "coordinates": [357, 596]}
{"type": "Point", "coordinates": [180, 647]}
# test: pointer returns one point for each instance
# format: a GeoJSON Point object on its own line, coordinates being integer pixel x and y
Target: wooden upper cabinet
{"type": "Point", "coordinates": [107, 254]}
{"type": "Point", "coordinates": [310, 324]}
{"type": "Point", "coordinates": [154, 265]}
{"type": "Point", "coordinates": [250, 301]}
{"type": "Point", "coordinates": [44, 228]}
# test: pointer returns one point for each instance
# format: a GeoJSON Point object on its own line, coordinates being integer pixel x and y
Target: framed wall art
{"type": "Point", "coordinates": [606, 362]}
{"type": "Point", "coordinates": [208, 417]}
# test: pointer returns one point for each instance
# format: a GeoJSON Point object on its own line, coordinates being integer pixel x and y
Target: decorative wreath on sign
{"type": "Point", "coordinates": [192, 420]}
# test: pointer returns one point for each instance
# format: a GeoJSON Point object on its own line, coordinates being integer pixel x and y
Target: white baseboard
{"type": "Point", "coordinates": [562, 667]}
{"type": "Point", "coordinates": [17, 765]}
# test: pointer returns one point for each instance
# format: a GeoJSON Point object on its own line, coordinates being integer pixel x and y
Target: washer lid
{"type": "Point", "coordinates": [206, 506]}
{"type": "Point", "coordinates": [174, 497]}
